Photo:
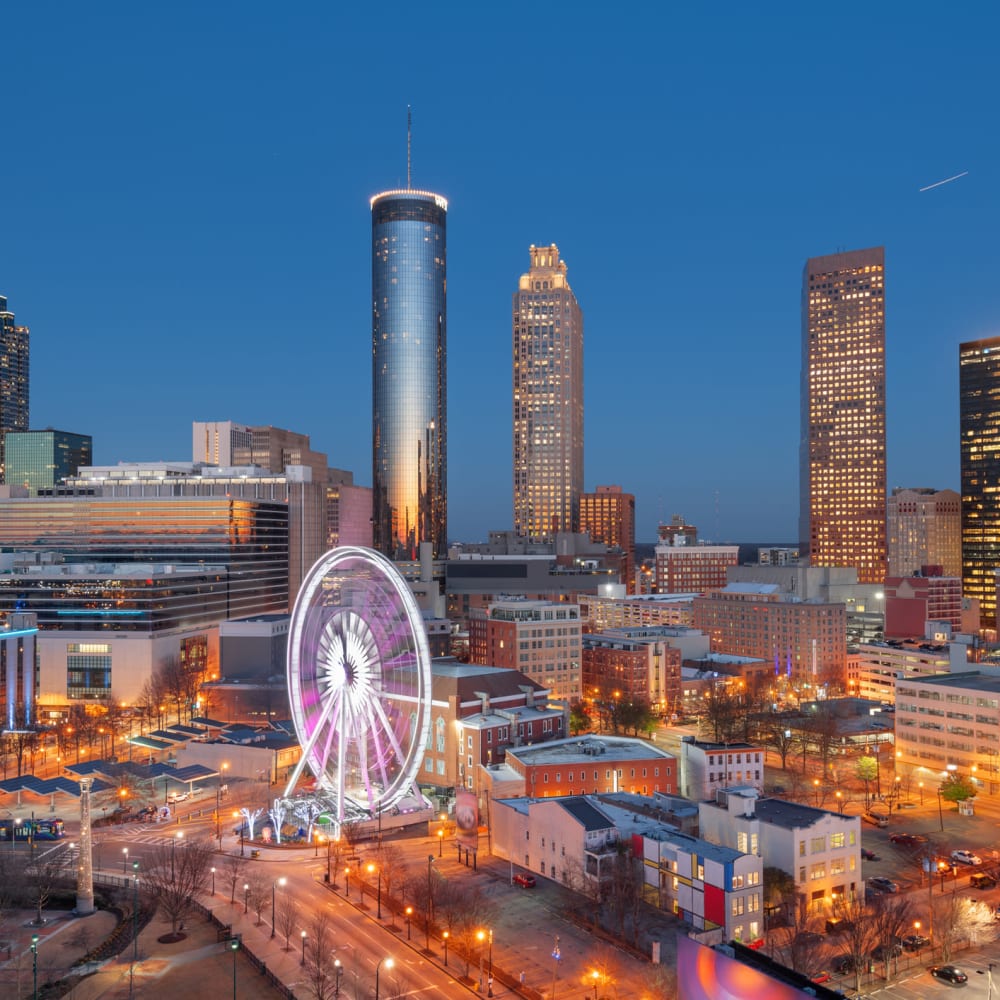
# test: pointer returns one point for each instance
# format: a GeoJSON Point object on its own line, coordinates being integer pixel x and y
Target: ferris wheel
{"type": "Point", "coordinates": [359, 680]}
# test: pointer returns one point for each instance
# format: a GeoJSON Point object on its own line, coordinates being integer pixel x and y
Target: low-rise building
{"type": "Point", "coordinates": [707, 767]}
{"type": "Point", "coordinates": [820, 849]}
{"type": "Point", "coordinates": [638, 662]}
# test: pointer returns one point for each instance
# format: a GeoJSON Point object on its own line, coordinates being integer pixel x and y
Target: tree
{"type": "Point", "coordinates": [22, 739]}
{"type": "Point", "coordinates": [259, 893]}
{"type": "Point", "coordinates": [959, 919]}
{"type": "Point", "coordinates": [721, 712]}
{"type": "Point", "coordinates": [232, 872]}
{"type": "Point", "coordinates": [42, 876]}
{"type": "Point", "coordinates": [867, 771]}
{"type": "Point", "coordinates": [636, 715]}
{"type": "Point", "coordinates": [781, 739]}
{"type": "Point", "coordinates": [287, 917]}
{"type": "Point", "coordinates": [779, 890]}
{"type": "Point", "coordinates": [465, 910]}
{"type": "Point", "coordinates": [392, 866]}
{"type": "Point", "coordinates": [175, 877]}
{"type": "Point", "coordinates": [890, 919]}
{"type": "Point", "coordinates": [823, 729]}
{"type": "Point", "coordinates": [579, 718]}
{"type": "Point", "coordinates": [859, 932]}
{"type": "Point", "coordinates": [957, 788]}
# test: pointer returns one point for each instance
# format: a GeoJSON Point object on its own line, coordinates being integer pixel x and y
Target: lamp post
{"type": "Point", "coordinates": [303, 961]}
{"type": "Point", "coordinates": [124, 860]}
{"type": "Point", "coordinates": [329, 844]}
{"type": "Point", "coordinates": [444, 939]}
{"type": "Point", "coordinates": [236, 815]}
{"type": "Point", "coordinates": [374, 869]}
{"type": "Point", "coordinates": [347, 882]}
{"type": "Point", "coordinates": [480, 937]}
{"type": "Point", "coordinates": [281, 881]}
{"type": "Point", "coordinates": [440, 843]}
{"type": "Point", "coordinates": [489, 979]}
{"type": "Point", "coordinates": [179, 837]}
{"type": "Point", "coordinates": [135, 918]}
{"type": "Point", "coordinates": [213, 880]}
{"type": "Point", "coordinates": [409, 913]}
{"type": "Point", "coordinates": [921, 786]}
{"type": "Point", "coordinates": [840, 802]}
{"type": "Point", "coordinates": [34, 966]}
{"type": "Point", "coordinates": [427, 915]}
{"type": "Point", "coordinates": [816, 790]}
{"type": "Point", "coordinates": [338, 968]}
{"type": "Point", "coordinates": [246, 898]}
{"type": "Point", "coordinates": [388, 965]}
{"type": "Point", "coordinates": [556, 956]}
{"type": "Point", "coordinates": [218, 806]}
{"type": "Point", "coordinates": [988, 972]}
{"type": "Point", "coordinates": [595, 975]}
{"type": "Point", "coordinates": [940, 811]}
{"type": "Point", "coordinates": [234, 946]}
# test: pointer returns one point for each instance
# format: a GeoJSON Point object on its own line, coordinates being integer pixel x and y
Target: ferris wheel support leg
{"type": "Point", "coordinates": [307, 749]}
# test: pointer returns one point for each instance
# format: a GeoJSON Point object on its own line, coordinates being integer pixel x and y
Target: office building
{"type": "Point", "coordinates": [913, 601]}
{"type": "Point", "coordinates": [633, 665]}
{"type": "Point", "coordinates": [409, 373]}
{"type": "Point", "coordinates": [38, 460]}
{"type": "Point", "coordinates": [842, 448]}
{"type": "Point", "coordinates": [18, 671]}
{"type": "Point", "coordinates": [548, 400]}
{"type": "Point", "coordinates": [608, 516]}
{"type": "Point", "coordinates": [979, 422]}
{"type": "Point", "coordinates": [15, 380]}
{"type": "Point", "coordinates": [806, 641]}
{"type": "Point", "coordinates": [925, 529]}
{"type": "Point", "coordinates": [539, 638]}
{"type": "Point", "coordinates": [682, 568]}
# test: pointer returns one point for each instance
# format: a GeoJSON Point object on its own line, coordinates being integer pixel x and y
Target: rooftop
{"type": "Point", "coordinates": [574, 750]}
{"type": "Point", "coordinates": [968, 680]}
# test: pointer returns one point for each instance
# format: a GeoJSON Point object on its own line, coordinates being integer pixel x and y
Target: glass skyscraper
{"type": "Point", "coordinates": [979, 420]}
{"type": "Point", "coordinates": [39, 460]}
{"type": "Point", "coordinates": [409, 374]}
{"type": "Point", "coordinates": [548, 400]}
{"type": "Point", "coordinates": [14, 382]}
{"type": "Point", "coordinates": [842, 448]}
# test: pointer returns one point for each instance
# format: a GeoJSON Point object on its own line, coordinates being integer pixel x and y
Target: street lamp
{"type": "Point", "coordinates": [388, 964]}
{"type": "Point", "coordinates": [124, 860]}
{"type": "Point", "coordinates": [347, 882]}
{"type": "Point", "coordinates": [840, 801]}
{"type": "Point", "coordinates": [236, 815]}
{"type": "Point", "coordinates": [440, 842]}
{"type": "Point", "coordinates": [427, 915]}
{"type": "Point", "coordinates": [489, 980]}
{"type": "Point", "coordinates": [988, 972]}
{"type": "Point", "coordinates": [234, 946]}
{"type": "Point", "coordinates": [303, 962]}
{"type": "Point", "coordinates": [218, 805]}
{"type": "Point", "coordinates": [281, 881]}
{"type": "Point", "coordinates": [375, 869]}
{"type": "Point", "coordinates": [339, 969]}
{"type": "Point", "coordinates": [135, 913]}
{"type": "Point", "coordinates": [816, 790]}
{"type": "Point", "coordinates": [246, 897]}
{"type": "Point", "coordinates": [444, 939]}
{"type": "Point", "coordinates": [409, 913]}
{"type": "Point", "coordinates": [940, 813]}
{"type": "Point", "coordinates": [213, 880]}
{"type": "Point", "coordinates": [595, 975]}
{"type": "Point", "coordinates": [921, 786]}
{"type": "Point", "coordinates": [34, 965]}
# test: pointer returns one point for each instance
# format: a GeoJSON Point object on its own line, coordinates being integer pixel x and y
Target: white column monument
{"type": "Point", "coordinates": [85, 866]}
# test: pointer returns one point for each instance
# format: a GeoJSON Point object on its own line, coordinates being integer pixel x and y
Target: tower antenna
{"type": "Point", "coordinates": [409, 130]}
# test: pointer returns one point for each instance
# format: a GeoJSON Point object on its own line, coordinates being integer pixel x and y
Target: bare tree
{"type": "Point", "coordinates": [174, 877]}
{"type": "Point", "coordinates": [232, 872]}
{"type": "Point", "coordinates": [42, 877]}
{"type": "Point", "coordinates": [959, 919]}
{"type": "Point", "coordinates": [858, 930]}
{"type": "Point", "coordinates": [393, 867]}
{"type": "Point", "coordinates": [464, 912]}
{"type": "Point", "coordinates": [890, 917]}
{"type": "Point", "coordinates": [259, 893]}
{"type": "Point", "coordinates": [287, 917]}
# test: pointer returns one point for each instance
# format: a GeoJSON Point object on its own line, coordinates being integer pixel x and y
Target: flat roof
{"type": "Point", "coordinates": [574, 750]}
{"type": "Point", "coordinates": [970, 680]}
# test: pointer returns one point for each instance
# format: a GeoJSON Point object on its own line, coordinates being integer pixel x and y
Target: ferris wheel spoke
{"type": "Point", "coordinates": [390, 734]}
{"type": "Point", "coordinates": [332, 730]}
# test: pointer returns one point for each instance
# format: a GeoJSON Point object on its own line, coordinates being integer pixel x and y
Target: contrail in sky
{"type": "Point", "coordinates": [947, 180]}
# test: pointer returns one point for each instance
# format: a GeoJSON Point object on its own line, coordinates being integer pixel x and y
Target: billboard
{"type": "Point", "coordinates": [706, 974]}
{"type": "Point", "coordinates": [466, 818]}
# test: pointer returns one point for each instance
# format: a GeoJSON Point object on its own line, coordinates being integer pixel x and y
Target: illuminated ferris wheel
{"type": "Point", "coordinates": [359, 680]}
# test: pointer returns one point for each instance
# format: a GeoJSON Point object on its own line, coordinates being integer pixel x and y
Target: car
{"type": "Point", "coordinates": [525, 881]}
{"type": "Point", "coordinates": [876, 819]}
{"type": "Point", "coordinates": [949, 973]}
{"type": "Point", "coordinates": [869, 855]}
{"type": "Point", "coordinates": [883, 951]}
{"type": "Point", "coordinates": [177, 797]}
{"type": "Point", "coordinates": [821, 977]}
{"type": "Point", "coordinates": [914, 942]}
{"type": "Point", "coordinates": [981, 880]}
{"type": "Point", "coordinates": [965, 858]}
{"type": "Point", "coordinates": [907, 839]}
{"type": "Point", "coordinates": [850, 963]}
{"type": "Point", "coordinates": [882, 884]}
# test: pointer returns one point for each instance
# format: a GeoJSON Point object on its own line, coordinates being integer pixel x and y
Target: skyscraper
{"type": "Point", "coordinates": [40, 460]}
{"type": "Point", "coordinates": [409, 373]}
{"type": "Point", "coordinates": [979, 422]}
{"type": "Point", "coordinates": [548, 400]}
{"type": "Point", "coordinates": [842, 448]}
{"type": "Point", "coordinates": [14, 380]}
{"type": "Point", "coordinates": [925, 529]}
{"type": "Point", "coordinates": [608, 516]}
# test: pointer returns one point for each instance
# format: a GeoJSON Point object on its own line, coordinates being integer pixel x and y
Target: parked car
{"type": "Point", "coordinates": [907, 839]}
{"type": "Point", "coordinates": [914, 942]}
{"type": "Point", "coordinates": [869, 855]}
{"type": "Point", "coordinates": [883, 884]}
{"type": "Point", "coordinates": [525, 881]}
{"type": "Point", "coordinates": [949, 973]}
{"type": "Point", "coordinates": [883, 951]}
{"type": "Point", "coordinates": [848, 963]}
{"type": "Point", "coordinates": [965, 858]}
{"type": "Point", "coordinates": [982, 881]}
{"type": "Point", "coordinates": [821, 977]}
{"type": "Point", "coordinates": [177, 797]}
{"type": "Point", "coordinates": [876, 819]}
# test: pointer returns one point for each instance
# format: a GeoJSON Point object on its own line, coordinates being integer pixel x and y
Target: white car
{"type": "Point", "coordinates": [177, 796]}
{"type": "Point", "coordinates": [966, 857]}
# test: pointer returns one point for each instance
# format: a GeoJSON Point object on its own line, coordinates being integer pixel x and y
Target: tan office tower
{"type": "Point", "coordinates": [608, 516]}
{"type": "Point", "coordinates": [842, 448]}
{"type": "Point", "coordinates": [548, 400]}
{"type": "Point", "coordinates": [925, 529]}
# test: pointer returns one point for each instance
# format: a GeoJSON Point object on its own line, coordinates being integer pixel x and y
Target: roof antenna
{"type": "Point", "coordinates": [409, 129]}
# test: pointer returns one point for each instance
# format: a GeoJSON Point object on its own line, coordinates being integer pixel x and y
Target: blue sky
{"type": "Point", "coordinates": [186, 224]}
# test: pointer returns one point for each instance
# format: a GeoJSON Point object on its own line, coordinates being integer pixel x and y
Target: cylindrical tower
{"type": "Point", "coordinates": [409, 380]}
{"type": "Point", "coordinates": [85, 868]}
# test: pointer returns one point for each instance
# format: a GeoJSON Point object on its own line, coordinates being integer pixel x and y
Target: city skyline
{"type": "Point", "coordinates": [195, 246]}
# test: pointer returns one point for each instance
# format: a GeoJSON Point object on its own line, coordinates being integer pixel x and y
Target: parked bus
{"type": "Point", "coordinates": [23, 830]}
